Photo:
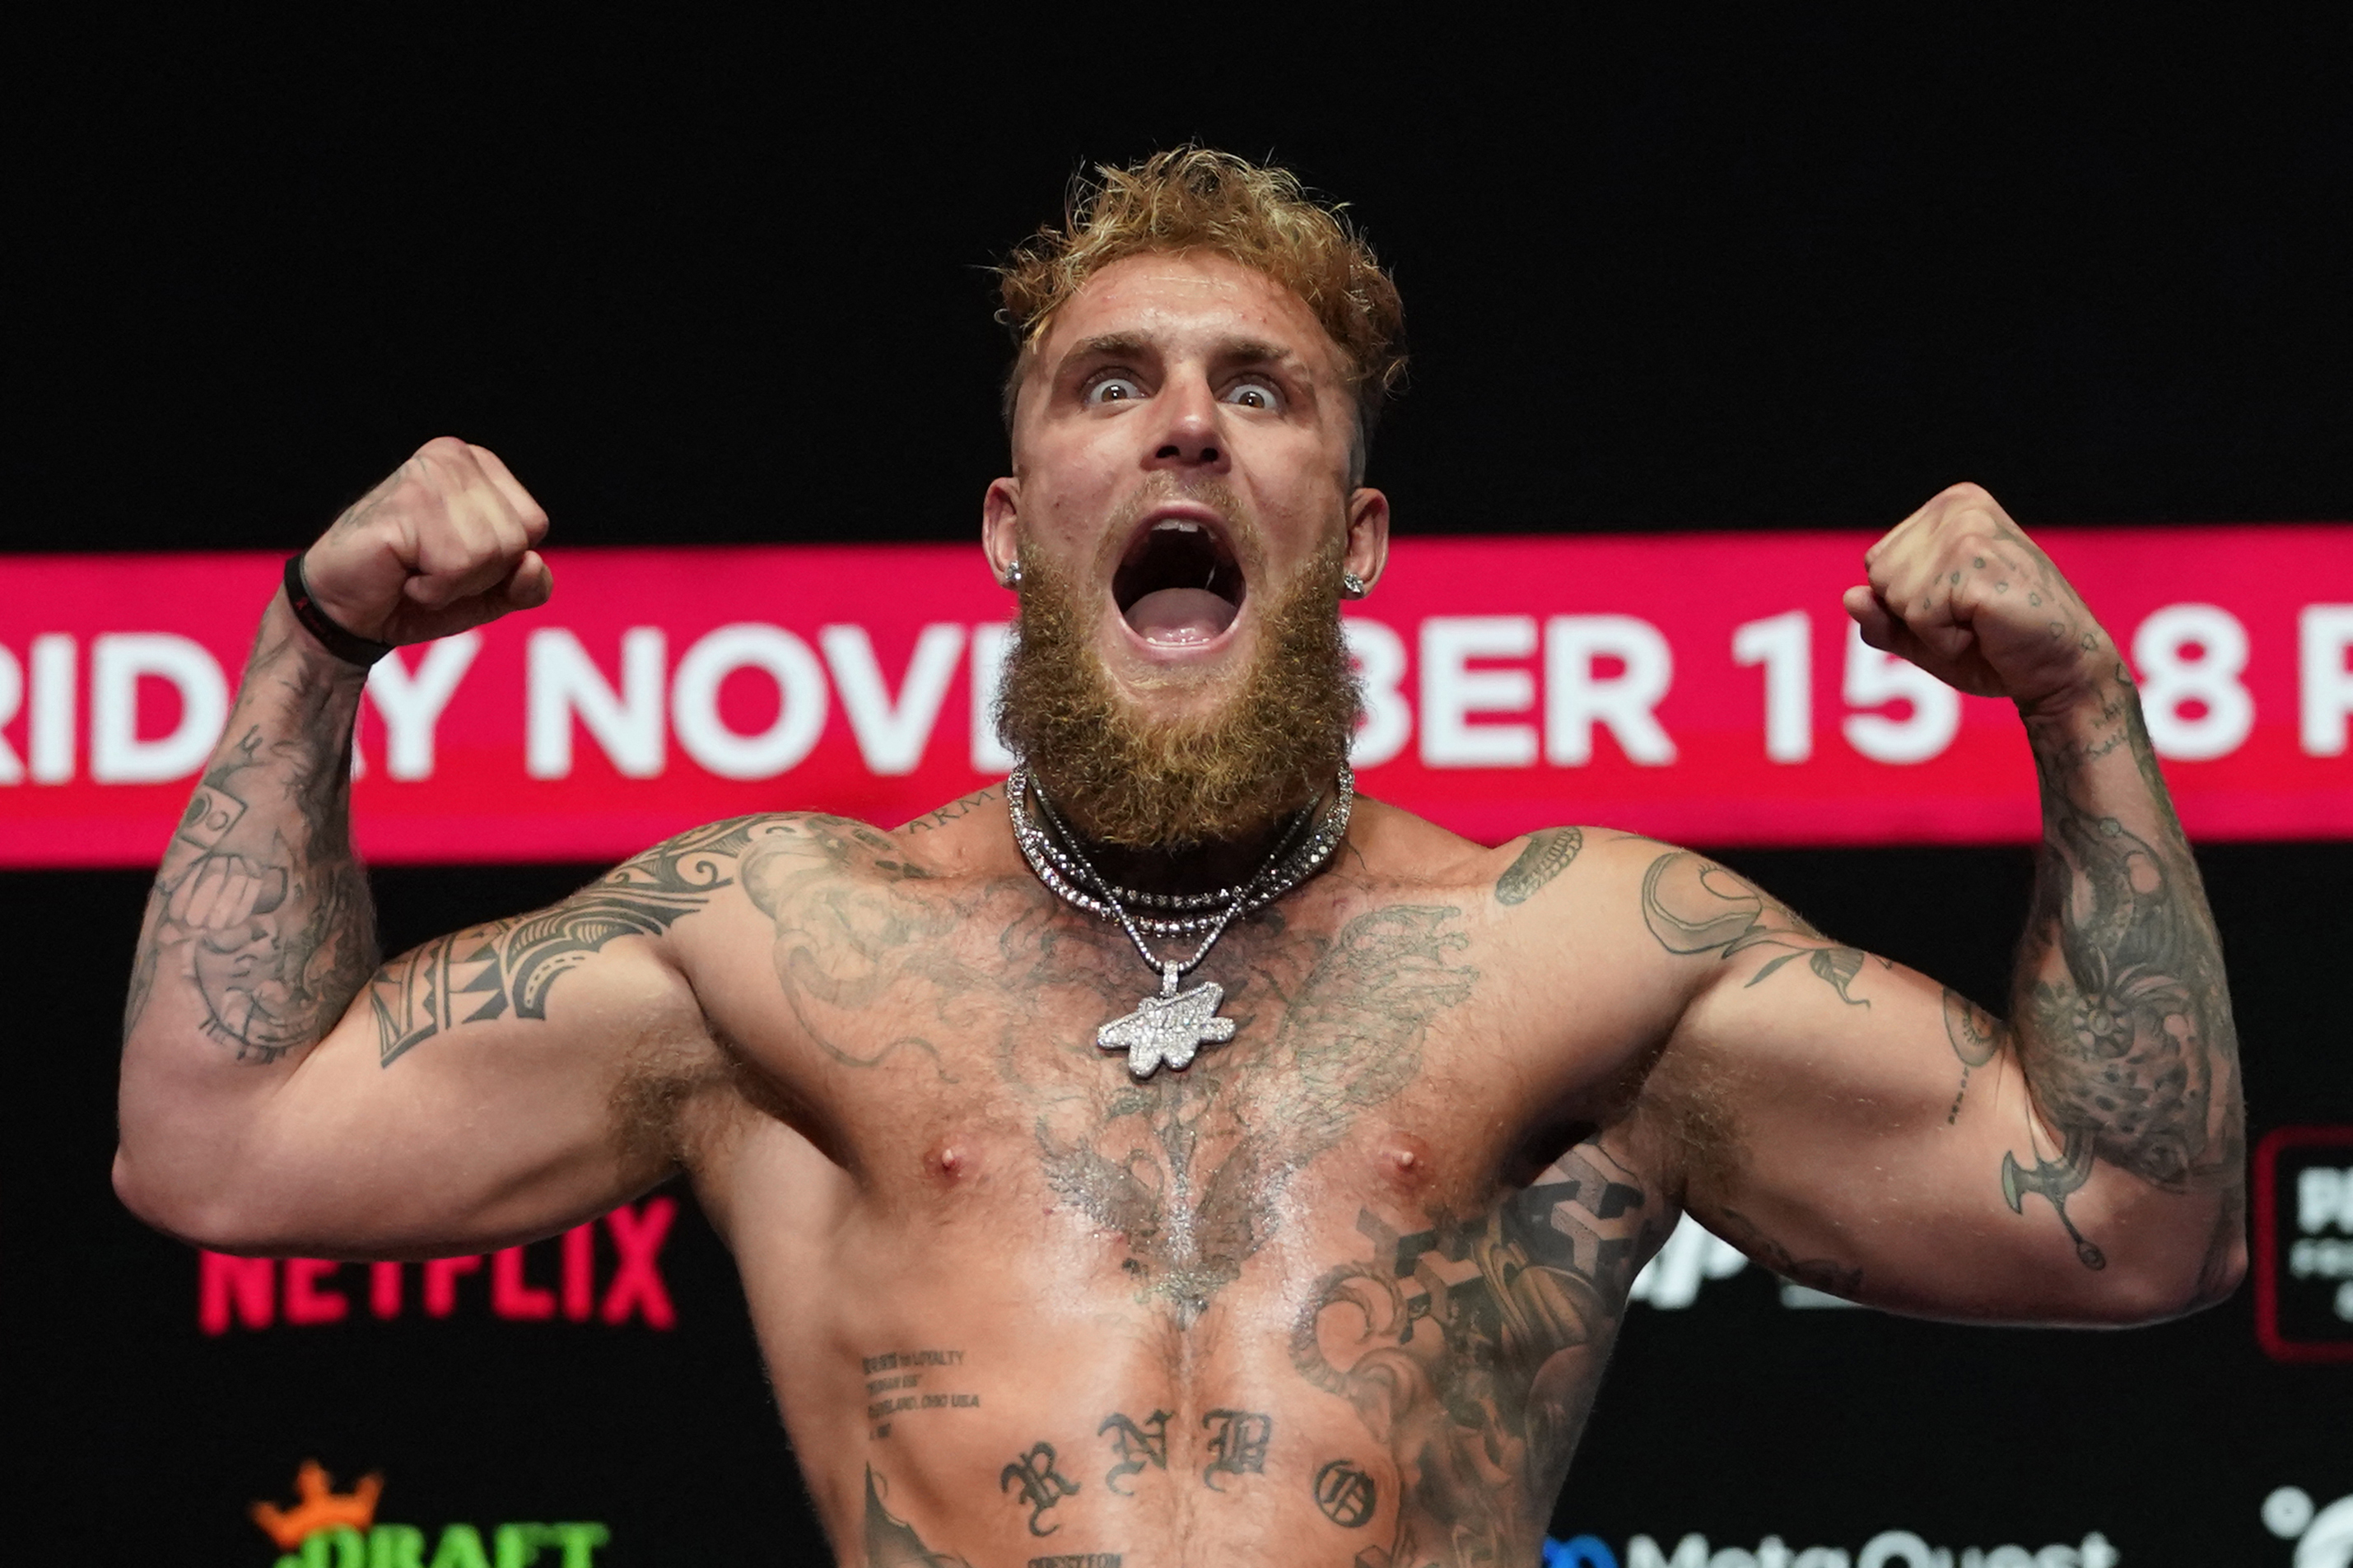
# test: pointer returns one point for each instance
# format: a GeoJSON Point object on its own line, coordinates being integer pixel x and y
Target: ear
{"type": "Point", "coordinates": [1000, 536]}
{"type": "Point", "coordinates": [1368, 534]}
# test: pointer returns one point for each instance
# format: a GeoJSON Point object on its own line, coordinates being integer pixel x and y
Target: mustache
{"type": "Point", "coordinates": [1162, 487]}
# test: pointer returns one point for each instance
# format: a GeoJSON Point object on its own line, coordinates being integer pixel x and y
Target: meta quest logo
{"type": "Point", "coordinates": [328, 1529]}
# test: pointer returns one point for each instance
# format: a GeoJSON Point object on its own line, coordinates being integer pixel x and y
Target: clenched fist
{"type": "Point", "coordinates": [444, 544]}
{"type": "Point", "coordinates": [1961, 592]}
{"type": "Point", "coordinates": [224, 892]}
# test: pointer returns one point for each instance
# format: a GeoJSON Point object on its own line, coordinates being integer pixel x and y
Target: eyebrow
{"type": "Point", "coordinates": [1109, 345]}
{"type": "Point", "coordinates": [1133, 345]}
{"type": "Point", "coordinates": [1251, 349]}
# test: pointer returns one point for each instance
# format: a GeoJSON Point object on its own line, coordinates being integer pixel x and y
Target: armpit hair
{"type": "Point", "coordinates": [1692, 1113]}
{"type": "Point", "coordinates": [650, 1102]}
{"type": "Point", "coordinates": [678, 1101]}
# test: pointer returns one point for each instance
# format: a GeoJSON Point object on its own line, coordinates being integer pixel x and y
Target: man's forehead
{"type": "Point", "coordinates": [1187, 301]}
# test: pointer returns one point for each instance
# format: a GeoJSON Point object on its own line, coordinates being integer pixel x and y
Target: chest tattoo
{"type": "Point", "coordinates": [1196, 1190]}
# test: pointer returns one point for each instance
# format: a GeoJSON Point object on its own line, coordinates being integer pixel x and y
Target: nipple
{"type": "Point", "coordinates": [950, 1161]}
{"type": "Point", "coordinates": [1404, 1161]}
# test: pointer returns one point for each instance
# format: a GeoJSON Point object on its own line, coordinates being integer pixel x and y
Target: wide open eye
{"type": "Point", "coordinates": [1113, 388]}
{"type": "Point", "coordinates": [1254, 394]}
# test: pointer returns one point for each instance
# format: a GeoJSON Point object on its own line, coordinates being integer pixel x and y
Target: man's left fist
{"type": "Point", "coordinates": [1961, 591]}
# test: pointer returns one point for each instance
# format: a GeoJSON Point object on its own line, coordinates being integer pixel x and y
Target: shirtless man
{"type": "Point", "coordinates": [1338, 1291]}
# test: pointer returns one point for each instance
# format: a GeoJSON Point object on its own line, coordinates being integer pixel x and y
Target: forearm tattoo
{"type": "Point", "coordinates": [262, 906]}
{"type": "Point", "coordinates": [2122, 1015]}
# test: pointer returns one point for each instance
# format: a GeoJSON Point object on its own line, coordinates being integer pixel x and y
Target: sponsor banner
{"type": "Point", "coordinates": [1701, 689]}
{"type": "Point", "coordinates": [2304, 1242]}
{"type": "Point", "coordinates": [1887, 1549]}
{"type": "Point", "coordinates": [2321, 1537]}
{"type": "Point", "coordinates": [520, 1284]}
{"type": "Point", "coordinates": [327, 1529]}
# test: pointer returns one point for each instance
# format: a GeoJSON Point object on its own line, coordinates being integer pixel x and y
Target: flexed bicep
{"type": "Point", "coordinates": [1873, 1133]}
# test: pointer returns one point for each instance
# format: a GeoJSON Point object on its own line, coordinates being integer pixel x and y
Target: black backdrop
{"type": "Point", "coordinates": [712, 282]}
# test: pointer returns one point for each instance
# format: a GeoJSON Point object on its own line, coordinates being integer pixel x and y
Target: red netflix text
{"type": "Point", "coordinates": [303, 1292]}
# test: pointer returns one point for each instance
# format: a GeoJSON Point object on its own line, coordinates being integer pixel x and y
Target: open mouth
{"type": "Point", "coordinates": [1179, 583]}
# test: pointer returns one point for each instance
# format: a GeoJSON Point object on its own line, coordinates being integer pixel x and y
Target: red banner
{"type": "Point", "coordinates": [1703, 688]}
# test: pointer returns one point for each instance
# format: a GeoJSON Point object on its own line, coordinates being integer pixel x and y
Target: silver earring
{"type": "Point", "coordinates": [1353, 586]}
{"type": "Point", "coordinates": [1013, 576]}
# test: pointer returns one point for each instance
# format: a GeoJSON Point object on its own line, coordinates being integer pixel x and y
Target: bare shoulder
{"type": "Point", "coordinates": [1663, 918]}
{"type": "Point", "coordinates": [769, 854]}
{"type": "Point", "coordinates": [1549, 871]}
{"type": "Point", "coordinates": [1688, 904]}
{"type": "Point", "coordinates": [1563, 909]}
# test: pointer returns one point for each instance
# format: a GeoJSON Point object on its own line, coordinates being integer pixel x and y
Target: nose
{"type": "Point", "coordinates": [1188, 438]}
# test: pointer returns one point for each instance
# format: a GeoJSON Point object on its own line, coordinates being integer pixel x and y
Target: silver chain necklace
{"type": "Point", "coordinates": [1170, 1029]}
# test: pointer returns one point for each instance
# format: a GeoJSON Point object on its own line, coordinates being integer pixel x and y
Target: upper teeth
{"type": "Point", "coordinates": [1177, 523]}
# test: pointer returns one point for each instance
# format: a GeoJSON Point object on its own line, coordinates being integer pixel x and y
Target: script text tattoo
{"type": "Point", "coordinates": [1347, 1493]}
{"type": "Point", "coordinates": [1237, 1441]}
{"type": "Point", "coordinates": [1138, 1444]}
{"type": "Point", "coordinates": [932, 821]}
{"type": "Point", "coordinates": [1036, 1485]}
{"type": "Point", "coordinates": [1818, 1273]}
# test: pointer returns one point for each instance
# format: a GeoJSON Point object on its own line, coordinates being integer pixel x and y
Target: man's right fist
{"type": "Point", "coordinates": [443, 544]}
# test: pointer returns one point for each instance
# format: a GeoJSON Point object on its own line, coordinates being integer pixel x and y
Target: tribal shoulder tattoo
{"type": "Point", "coordinates": [505, 969]}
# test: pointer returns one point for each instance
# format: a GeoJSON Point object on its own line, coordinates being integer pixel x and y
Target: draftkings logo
{"type": "Point", "coordinates": [328, 1529]}
{"type": "Point", "coordinates": [2304, 1242]}
{"type": "Point", "coordinates": [625, 1285]}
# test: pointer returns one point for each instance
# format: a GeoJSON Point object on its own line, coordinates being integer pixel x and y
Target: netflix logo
{"type": "Point", "coordinates": [516, 1283]}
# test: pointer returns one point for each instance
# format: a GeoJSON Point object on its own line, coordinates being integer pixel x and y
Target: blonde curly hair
{"type": "Point", "coordinates": [1192, 198]}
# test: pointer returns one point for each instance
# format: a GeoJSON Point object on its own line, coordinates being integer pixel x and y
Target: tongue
{"type": "Point", "coordinates": [1179, 616]}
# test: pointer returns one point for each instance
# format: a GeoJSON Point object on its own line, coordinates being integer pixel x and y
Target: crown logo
{"type": "Point", "coordinates": [320, 1508]}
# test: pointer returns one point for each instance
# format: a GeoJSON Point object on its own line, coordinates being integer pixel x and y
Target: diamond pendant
{"type": "Point", "coordinates": [1169, 1028]}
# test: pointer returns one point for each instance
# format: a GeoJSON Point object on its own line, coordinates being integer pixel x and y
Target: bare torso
{"type": "Point", "coordinates": [1339, 1292]}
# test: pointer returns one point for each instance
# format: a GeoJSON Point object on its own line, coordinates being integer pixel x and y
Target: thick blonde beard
{"type": "Point", "coordinates": [1124, 777]}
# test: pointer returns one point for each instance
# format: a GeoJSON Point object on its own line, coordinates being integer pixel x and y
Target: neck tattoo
{"type": "Point", "coordinates": [1168, 1029]}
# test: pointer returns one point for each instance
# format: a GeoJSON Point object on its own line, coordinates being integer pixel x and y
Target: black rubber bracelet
{"type": "Point", "coordinates": [349, 647]}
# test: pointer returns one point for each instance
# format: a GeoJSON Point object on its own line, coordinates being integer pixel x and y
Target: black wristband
{"type": "Point", "coordinates": [349, 647]}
